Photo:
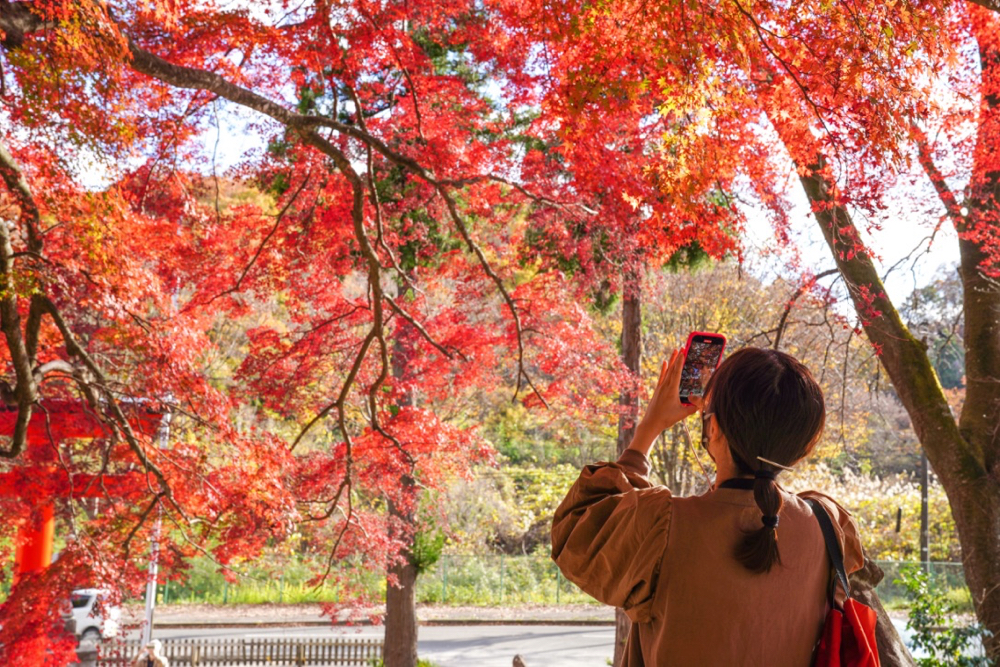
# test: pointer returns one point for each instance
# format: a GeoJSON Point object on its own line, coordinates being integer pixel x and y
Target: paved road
{"type": "Point", "coordinates": [481, 645]}
{"type": "Point", "coordinates": [460, 646]}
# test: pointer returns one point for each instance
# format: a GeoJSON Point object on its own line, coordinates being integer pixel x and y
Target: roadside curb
{"type": "Point", "coordinates": [187, 625]}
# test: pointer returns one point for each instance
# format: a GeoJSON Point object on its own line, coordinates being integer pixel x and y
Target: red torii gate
{"type": "Point", "coordinates": [52, 422]}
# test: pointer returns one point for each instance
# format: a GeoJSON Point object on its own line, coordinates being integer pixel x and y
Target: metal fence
{"type": "Point", "coordinates": [498, 579]}
{"type": "Point", "coordinates": [506, 580]}
{"type": "Point", "coordinates": [949, 578]}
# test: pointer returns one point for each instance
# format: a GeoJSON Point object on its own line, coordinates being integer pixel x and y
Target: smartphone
{"type": "Point", "coordinates": [701, 358]}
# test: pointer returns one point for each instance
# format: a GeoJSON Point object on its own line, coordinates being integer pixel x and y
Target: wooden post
{"type": "Point", "coordinates": [925, 532]}
{"type": "Point", "coordinates": [444, 578]}
{"type": "Point", "coordinates": [34, 542]}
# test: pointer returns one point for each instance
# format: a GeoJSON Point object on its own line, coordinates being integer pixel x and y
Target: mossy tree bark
{"type": "Point", "coordinates": [965, 453]}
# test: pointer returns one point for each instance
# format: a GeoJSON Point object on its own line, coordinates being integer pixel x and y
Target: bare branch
{"type": "Point", "coordinates": [344, 391]}
{"type": "Point", "coordinates": [423, 332]}
{"type": "Point", "coordinates": [142, 520]}
{"type": "Point", "coordinates": [477, 251]}
{"type": "Point", "coordinates": [267, 237]}
{"type": "Point", "coordinates": [791, 303]}
{"type": "Point", "coordinates": [945, 194]}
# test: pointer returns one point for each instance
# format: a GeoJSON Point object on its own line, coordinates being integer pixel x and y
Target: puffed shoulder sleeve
{"type": "Point", "coordinates": [610, 532]}
{"type": "Point", "coordinates": [847, 531]}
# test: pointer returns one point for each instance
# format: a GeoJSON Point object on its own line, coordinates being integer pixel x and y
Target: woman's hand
{"type": "Point", "coordinates": [665, 408]}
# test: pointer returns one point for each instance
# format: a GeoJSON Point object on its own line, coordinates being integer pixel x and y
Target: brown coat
{"type": "Point", "coordinates": [668, 563]}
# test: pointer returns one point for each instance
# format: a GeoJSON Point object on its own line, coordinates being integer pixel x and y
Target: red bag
{"type": "Point", "coordinates": [848, 638]}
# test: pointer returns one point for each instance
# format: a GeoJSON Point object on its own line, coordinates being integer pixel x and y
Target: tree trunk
{"type": "Point", "coordinates": [965, 459]}
{"type": "Point", "coordinates": [892, 652]}
{"type": "Point", "coordinates": [978, 483]}
{"type": "Point", "coordinates": [400, 597]}
{"type": "Point", "coordinates": [401, 606]}
{"type": "Point", "coordinates": [629, 401]}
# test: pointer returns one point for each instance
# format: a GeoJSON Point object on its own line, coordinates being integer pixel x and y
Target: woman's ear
{"type": "Point", "coordinates": [718, 445]}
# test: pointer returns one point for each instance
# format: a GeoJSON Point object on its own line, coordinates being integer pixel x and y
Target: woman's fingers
{"type": "Point", "coordinates": [676, 366]}
{"type": "Point", "coordinates": [665, 369]}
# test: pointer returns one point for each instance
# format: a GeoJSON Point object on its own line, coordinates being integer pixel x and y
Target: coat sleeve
{"type": "Point", "coordinates": [610, 533]}
{"type": "Point", "coordinates": [847, 532]}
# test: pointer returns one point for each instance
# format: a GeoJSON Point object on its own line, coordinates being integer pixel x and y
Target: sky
{"type": "Point", "coordinates": [902, 240]}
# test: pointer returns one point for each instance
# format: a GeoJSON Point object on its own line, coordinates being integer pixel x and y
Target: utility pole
{"type": "Point", "coordinates": [154, 543]}
{"type": "Point", "coordinates": [925, 532]}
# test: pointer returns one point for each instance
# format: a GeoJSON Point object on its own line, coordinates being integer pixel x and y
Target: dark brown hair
{"type": "Point", "coordinates": [767, 404]}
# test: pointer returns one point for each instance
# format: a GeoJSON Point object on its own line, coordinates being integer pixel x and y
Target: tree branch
{"type": "Point", "coordinates": [73, 348]}
{"type": "Point", "coordinates": [423, 332]}
{"type": "Point", "coordinates": [947, 197]}
{"type": "Point", "coordinates": [992, 5]}
{"type": "Point", "coordinates": [25, 390]}
{"type": "Point", "coordinates": [791, 303]}
{"type": "Point", "coordinates": [13, 177]}
{"type": "Point", "coordinates": [263, 243]}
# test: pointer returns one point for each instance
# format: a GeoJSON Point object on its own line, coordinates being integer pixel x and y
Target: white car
{"type": "Point", "coordinates": [94, 615]}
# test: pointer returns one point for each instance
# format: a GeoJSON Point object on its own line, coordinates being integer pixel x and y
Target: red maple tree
{"type": "Point", "coordinates": [843, 97]}
{"type": "Point", "coordinates": [384, 264]}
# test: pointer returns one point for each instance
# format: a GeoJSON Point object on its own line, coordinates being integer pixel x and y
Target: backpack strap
{"type": "Point", "coordinates": [832, 545]}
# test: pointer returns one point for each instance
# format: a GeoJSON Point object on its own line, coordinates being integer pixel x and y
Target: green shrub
{"type": "Point", "coordinates": [934, 625]}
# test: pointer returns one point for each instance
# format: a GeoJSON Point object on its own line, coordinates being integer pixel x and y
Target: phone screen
{"type": "Point", "coordinates": [702, 359]}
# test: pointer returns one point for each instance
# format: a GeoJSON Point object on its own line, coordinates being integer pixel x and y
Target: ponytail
{"type": "Point", "coordinates": [758, 550]}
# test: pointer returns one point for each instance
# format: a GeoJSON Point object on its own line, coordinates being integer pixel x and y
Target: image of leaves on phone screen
{"type": "Point", "coordinates": [702, 358]}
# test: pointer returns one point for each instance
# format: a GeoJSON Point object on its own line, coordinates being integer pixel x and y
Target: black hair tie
{"type": "Point", "coordinates": [764, 474]}
{"type": "Point", "coordinates": [770, 521]}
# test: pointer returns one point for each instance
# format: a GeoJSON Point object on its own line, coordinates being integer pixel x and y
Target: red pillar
{"type": "Point", "coordinates": [34, 541]}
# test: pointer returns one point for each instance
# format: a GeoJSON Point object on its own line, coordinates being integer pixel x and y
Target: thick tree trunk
{"type": "Point", "coordinates": [977, 512]}
{"type": "Point", "coordinates": [891, 650]}
{"type": "Point", "coordinates": [401, 607]}
{"type": "Point", "coordinates": [400, 596]}
{"type": "Point", "coordinates": [965, 459]}
{"type": "Point", "coordinates": [631, 355]}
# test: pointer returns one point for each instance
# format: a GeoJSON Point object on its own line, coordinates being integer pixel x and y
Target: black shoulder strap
{"type": "Point", "coordinates": [832, 546]}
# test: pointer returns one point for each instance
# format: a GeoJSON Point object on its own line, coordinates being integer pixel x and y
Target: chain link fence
{"type": "Point", "coordinates": [948, 577]}
{"type": "Point", "coordinates": [485, 579]}
{"type": "Point", "coordinates": [509, 580]}
{"type": "Point", "coordinates": [479, 579]}
{"type": "Point", "coordinates": [497, 579]}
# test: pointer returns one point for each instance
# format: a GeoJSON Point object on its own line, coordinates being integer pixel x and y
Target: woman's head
{"type": "Point", "coordinates": [767, 406]}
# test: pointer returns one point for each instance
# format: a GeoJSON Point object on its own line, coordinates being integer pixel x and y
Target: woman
{"type": "Point", "coordinates": [151, 656]}
{"type": "Point", "coordinates": [737, 576]}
